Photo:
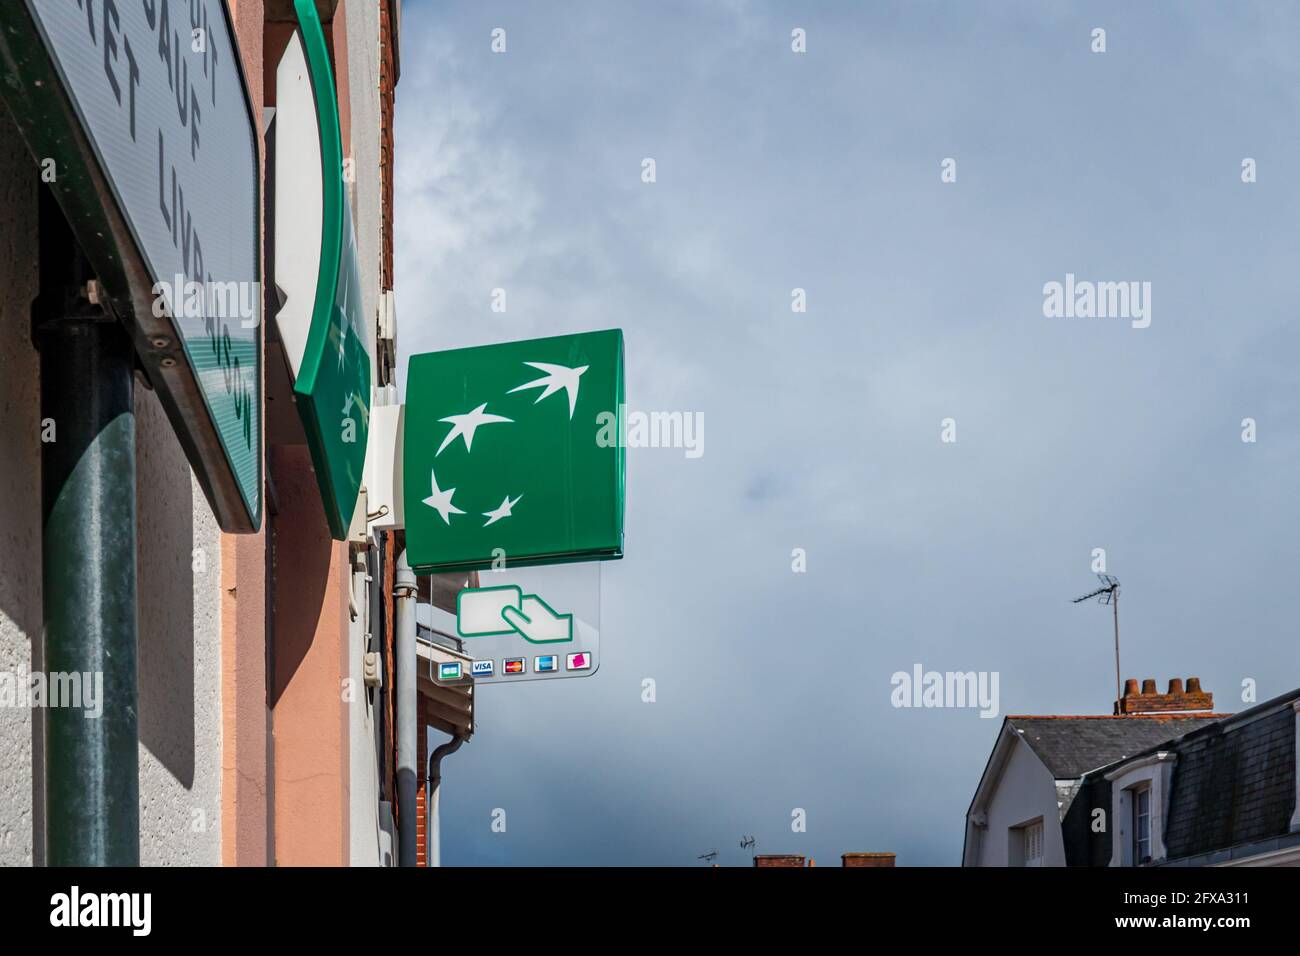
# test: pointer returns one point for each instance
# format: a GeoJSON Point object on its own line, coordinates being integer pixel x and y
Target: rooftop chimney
{"type": "Point", "coordinates": [1176, 700]}
{"type": "Point", "coordinates": [778, 859]}
{"type": "Point", "coordinates": [867, 859]}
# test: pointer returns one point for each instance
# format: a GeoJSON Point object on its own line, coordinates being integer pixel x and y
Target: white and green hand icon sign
{"type": "Point", "coordinates": [486, 612]}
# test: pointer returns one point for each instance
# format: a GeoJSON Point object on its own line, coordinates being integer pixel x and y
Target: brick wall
{"type": "Point", "coordinates": [867, 859]}
{"type": "Point", "coordinates": [421, 770]}
{"type": "Point", "coordinates": [387, 97]}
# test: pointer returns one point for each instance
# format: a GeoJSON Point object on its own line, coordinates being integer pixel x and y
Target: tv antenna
{"type": "Point", "coordinates": [708, 857]}
{"type": "Point", "coordinates": [748, 843]}
{"type": "Point", "coordinates": [1108, 593]}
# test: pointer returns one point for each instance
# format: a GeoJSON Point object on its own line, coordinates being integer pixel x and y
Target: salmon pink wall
{"type": "Point", "coordinates": [246, 821]}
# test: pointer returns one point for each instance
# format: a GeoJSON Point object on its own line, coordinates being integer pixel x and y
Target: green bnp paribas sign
{"type": "Point", "coordinates": [512, 454]}
{"type": "Point", "coordinates": [322, 322]}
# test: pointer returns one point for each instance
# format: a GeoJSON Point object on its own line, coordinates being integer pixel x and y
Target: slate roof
{"type": "Point", "coordinates": [1071, 746]}
{"type": "Point", "coordinates": [1232, 785]}
{"type": "Point", "coordinates": [1231, 795]}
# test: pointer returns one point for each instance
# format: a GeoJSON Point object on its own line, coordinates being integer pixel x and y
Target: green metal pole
{"type": "Point", "coordinates": [92, 785]}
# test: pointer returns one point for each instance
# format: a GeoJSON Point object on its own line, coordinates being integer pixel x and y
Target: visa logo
{"type": "Point", "coordinates": [481, 669]}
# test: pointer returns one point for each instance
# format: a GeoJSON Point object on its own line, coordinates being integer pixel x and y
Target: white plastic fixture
{"type": "Point", "coordinates": [383, 471]}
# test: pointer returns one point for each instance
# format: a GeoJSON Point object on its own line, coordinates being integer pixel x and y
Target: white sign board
{"type": "Point", "coordinates": [530, 623]}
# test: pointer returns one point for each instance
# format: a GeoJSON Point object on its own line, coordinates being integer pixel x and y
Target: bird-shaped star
{"type": "Point", "coordinates": [557, 377]}
{"type": "Point", "coordinates": [502, 512]}
{"type": "Point", "coordinates": [465, 426]}
{"type": "Point", "coordinates": [440, 501]}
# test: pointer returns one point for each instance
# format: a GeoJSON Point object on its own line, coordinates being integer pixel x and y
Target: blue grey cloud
{"type": "Point", "coordinates": [821, 171]}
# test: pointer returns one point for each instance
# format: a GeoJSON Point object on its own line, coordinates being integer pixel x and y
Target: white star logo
{"type": "Point", "coordinates": [502, 512]}
{"type": "Point", "coordinates": [465, 426]}
{"type": "Point", "coordinates": [557, 377]}
{"type": "Point", "coordinates": [440, 501]}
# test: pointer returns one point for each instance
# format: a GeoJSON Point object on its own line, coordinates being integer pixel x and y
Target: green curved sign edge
{"type": "Point", "coordinates": [322, 401]}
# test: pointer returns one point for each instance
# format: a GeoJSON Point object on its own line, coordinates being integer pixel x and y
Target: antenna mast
{"type": "Point", "coordinates": [1108, 593]}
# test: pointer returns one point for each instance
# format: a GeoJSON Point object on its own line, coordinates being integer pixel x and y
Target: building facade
{"type": "Point", "coordinates": [1163, 781]}
{"type": "Point", "coordinates": [266, 714]}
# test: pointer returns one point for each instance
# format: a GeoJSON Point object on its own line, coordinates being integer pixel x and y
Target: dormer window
{"type": "Point", "coordinates": [1140, 790]}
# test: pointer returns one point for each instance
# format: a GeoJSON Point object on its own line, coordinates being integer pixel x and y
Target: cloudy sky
{"type": "Point", "coordinates": [821, 171]}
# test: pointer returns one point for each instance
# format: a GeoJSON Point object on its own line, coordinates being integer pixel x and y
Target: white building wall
{"type": "Point", "coordinates": [367, 188]}
{"type": "Point", "coordinates": [1025, 791]}
{"type": "Point", "coordinates": [20, 490]}
{"type": "Point", "coordinates": [178, 569]}
{"type": "Point", "coordinates": [362, 21]}
{"type": "Point", "coordinates": [363, 742]}
{"type": "Point", "coordinates": [179, 609]}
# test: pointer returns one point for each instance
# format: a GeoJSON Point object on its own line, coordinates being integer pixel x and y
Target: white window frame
{"type": "Point", "coordinates": [1152, 773]}
{"type": "Point", "coordinates": [1034, 840]}
{"type": "Point", "coordinates": [1020, 842]}
{"type": "Point", "coordinates": [1136, 795]}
